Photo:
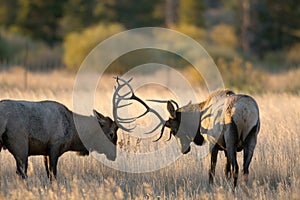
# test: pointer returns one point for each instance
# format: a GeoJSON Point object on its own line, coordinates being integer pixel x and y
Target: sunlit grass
{"type": "Point", "coordinates": [274, 171]}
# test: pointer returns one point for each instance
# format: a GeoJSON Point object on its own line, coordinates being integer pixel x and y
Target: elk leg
{"type": "Point", "coordinates": [213, 162]}
{"type": "Point", "coordinates": [22, 163]}
{"type": "Point", "coordinates": [19, 149]}
{"type": "Point", "coordinates": [46, 162]}
{"type": "Point", "coordinates": [248, 153]}
{"type": "Point", "coordinates": [26, 166]}
{"type": "Point", "coordinates": [53, 163]}
{"type": "Point", "coordinates": [231, 137]}
{"type": "Point", "coordinates": [227, 166]}
{"type": "Point", "coordinates": [234, 164]}
{"type": "Point", "coordinates": [21, 166]}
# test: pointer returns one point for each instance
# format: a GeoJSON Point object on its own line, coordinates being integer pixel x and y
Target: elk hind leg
{"type": "Point", "coordinates": [227, 166]}
{"type": "Point", "coordinates": [248, 154]}
{"type": "Point", "coordinates": [213, 162]}
{"type": "Point", "coordinates": [231, 138]}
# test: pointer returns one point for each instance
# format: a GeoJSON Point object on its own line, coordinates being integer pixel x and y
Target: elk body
{"type": "Point", "coordinates": [228, 121]}
{"type": "Point", "coordinates": [47, 128]}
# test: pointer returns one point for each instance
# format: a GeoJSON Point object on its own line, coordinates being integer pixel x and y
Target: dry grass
{"type": "Point", "coordinates": [274, 171]}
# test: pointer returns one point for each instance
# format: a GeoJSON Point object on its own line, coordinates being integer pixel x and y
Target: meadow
{"type": "Point", "coordinates": [274, 171]}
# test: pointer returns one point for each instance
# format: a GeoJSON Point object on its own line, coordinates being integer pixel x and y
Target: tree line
{"type": "Point", "coordinates": [261, 26]}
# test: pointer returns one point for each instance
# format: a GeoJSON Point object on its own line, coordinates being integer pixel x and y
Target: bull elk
{"type": "Point", "coordinates": [227, 121]}
{"type": "Point", "coordinates": [48, 128]}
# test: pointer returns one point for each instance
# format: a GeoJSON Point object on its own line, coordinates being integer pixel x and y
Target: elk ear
{"type": "Point", "coordinates": [101, 119]}
{"type": "Point", "coordinates": [171, 109]}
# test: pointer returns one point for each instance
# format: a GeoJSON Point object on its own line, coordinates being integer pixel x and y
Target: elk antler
{"type": "Point", "coordinates": [162, 130]}
{"type": "Point", "coordinates": [117, 98]}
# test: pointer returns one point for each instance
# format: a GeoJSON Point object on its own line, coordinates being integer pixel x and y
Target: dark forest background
{"type": "Point", "coordinates": [245, 38]}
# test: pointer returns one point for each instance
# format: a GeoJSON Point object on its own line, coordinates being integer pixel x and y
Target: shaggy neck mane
{"type": "Point", "coordinates": [214, 96]}
{"type": "Point", "coordinates": [217, 95]}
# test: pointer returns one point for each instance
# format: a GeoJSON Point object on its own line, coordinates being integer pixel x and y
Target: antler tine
{"type": "Point", "coordinates": [116, 105]}
{"type": "Point", "coordinates": [123, 97]}
{"type": "Point", "coordinates": [148, 109]}
{"type": "Point", "coordinates": [134, 97]}
{"type": "Point", "coordinates": [161, 133]}
{"type": "Point", "coordinates": [117, 99]}
{"type": "Point", "coordinates": [162, 130]}
{"type": "Point", "coordinates": [125, 83]}
{"type": "Point", "coordinates": [124, 105]}
{"type": "Point", "coordinates": [170, 136]}
{"type": "Point", "coordinates": [176, 104]}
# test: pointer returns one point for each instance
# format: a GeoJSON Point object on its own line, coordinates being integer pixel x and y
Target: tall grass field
{"type": "Point", "coordinates": [274, 170]}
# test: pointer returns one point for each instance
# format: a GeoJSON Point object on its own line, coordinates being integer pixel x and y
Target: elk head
{"type": "Point", "coordinates": [184, 125]}
{"type": "Point", "coordinates": [108, 126]}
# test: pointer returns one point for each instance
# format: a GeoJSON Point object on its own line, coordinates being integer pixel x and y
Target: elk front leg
{"type": "Point", "coordinates": [19, 150]}
{"type": "Point", "coordinates": [22, 164]}
{"type": "Point", "coordinates": [53, 157]}
{"type": "Point", "coordinates": [46, 162]}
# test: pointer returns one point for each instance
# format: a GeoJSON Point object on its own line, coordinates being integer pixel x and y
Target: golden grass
{"type": "Point", "coordinates": [274, 171]}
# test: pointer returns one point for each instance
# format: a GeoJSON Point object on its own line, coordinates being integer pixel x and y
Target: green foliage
{"type": "Point", "coordinates": [41, 57]}
{"type": "Point", "coordinates": [240, 74]}
{"type": "Point", "coordinates": [273, 25]}
{"type": "Point", "coordinates": [40, 19]}
{"type": "Point", "coordinates": [267, 31]}
{"type": "Point", "coordinates": [4, 49]}
{"type": "Point", "coordinates": [274, 61]}
{"type": "Point", "coordinates": [144, 56]}
{"type": "Point", "coordinates": [223, 42]}
{"type": "Point", "coordinates": [10, 45]}
{"type": "Point", "coordinates": [223, 35]}
{"type": "Point", "coordinates": [16, 50]}
{"type": "Point", "coordinates": [191, 12]}
{"type": "Point", "coordinates": [134, 14]}
{"type": "Point", "coordinates": [8, 12]}
{"type": "Point", "coordinates": [293, 58]}
{"type": "Point", "coordinates": [281, 60]}
{"type": "Point", "coordinates": [197, 33]}
{"type": "Point", "coordinates": [77, 45]}
{"type": "Point", "coordinates": [79, 14]}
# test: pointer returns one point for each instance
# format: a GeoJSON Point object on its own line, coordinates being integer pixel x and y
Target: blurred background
{"type": "Point", "coordinates": [255, 44]}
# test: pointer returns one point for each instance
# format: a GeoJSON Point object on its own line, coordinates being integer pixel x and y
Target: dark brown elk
{"type": "Point", "coordinates": [227, 121]}
{"type": "Point", "coordinates": [48, 128]}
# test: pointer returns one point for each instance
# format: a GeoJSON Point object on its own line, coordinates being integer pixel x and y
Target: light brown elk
{"type": "Point", "coordinates": [227, 121]}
